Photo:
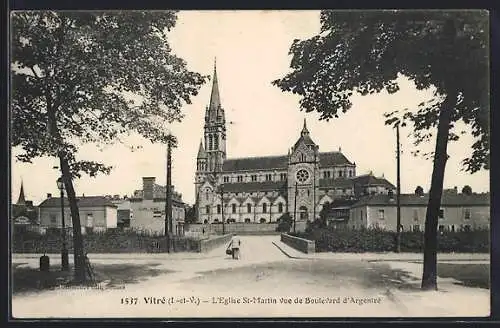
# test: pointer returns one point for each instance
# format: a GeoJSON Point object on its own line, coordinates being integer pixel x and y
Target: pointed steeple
{"type": "Point", "coordinates": [305, 131]}
{"type": "Point", "coordinates": [201, 151]}
{"type": "Point", "coordinates": [214, 97]}
{"type": "Point", "coordinates": [21, 200]}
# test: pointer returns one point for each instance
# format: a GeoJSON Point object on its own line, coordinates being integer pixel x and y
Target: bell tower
{"type": "Point", "coordinates": [215, 129]}
{"type": "Point", "coordinates": [303, 178]}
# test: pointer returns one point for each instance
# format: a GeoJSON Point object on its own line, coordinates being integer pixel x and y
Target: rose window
{"type": "Point", "coordinates": [302, 175]}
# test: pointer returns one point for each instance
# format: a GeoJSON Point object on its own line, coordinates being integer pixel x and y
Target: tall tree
{"type": "Point", "coordinates": [92, 77]}
{"type": "Point", "coordinates": [366, 52]}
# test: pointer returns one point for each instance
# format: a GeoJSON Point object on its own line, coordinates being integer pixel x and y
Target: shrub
{"type": "Point", "coordinates": [285, 223]}
{"type": "Point", "coordinates": [377, 240]}
{"type": "Point", "coordinates": [111, 241]}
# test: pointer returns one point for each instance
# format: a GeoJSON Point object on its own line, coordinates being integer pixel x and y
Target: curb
{"type": "Point", "coordinates": [288, 255]}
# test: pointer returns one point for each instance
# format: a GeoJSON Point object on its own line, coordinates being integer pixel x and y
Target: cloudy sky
{"type": "Point", "coordinates": [252, 50]}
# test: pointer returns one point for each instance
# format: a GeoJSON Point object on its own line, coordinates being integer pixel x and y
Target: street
{"type": "Point", "coordinates": [265, 282]}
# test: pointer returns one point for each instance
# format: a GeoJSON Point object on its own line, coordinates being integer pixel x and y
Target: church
{"type": "Point", "coordinates": [263, 189]}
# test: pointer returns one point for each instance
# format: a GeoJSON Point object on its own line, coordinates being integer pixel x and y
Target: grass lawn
{"type": "Point", "coordinates": [469, 274]}
{"type": "Point", "coordinates": [28, 279]}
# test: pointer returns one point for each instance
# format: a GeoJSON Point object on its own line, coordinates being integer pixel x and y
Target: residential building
{"type": "Point", "coordinates": [97, 213]}
{"type": "Point", "coordinates": [124, 211]}
{"type": "Point", "coordinates": [457, 212]}
{"type": "Point", "coordinates": [262, 189]}
{"type": "Point", "coordinates": [148, 208]}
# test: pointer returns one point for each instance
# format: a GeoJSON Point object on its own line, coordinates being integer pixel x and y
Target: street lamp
{"type": "Point", "coordinates": [64, 251]}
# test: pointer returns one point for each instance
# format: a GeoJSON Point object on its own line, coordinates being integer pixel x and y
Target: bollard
{"type": "Point", "coordinates": [44, 263]}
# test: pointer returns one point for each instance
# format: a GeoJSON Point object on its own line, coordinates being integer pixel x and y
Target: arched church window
{"type": "Point", "coordinates": [280, 207]}
{"type": "Point", "coordinates": [216, 142]}
{"type": "Point", "coordinates": [210, 142]}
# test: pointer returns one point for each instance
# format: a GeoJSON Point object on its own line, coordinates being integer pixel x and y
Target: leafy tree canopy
{"type": "Point", "coordinates": [98, 76]}
{"type": "Point", "coordinates": [366, 51]}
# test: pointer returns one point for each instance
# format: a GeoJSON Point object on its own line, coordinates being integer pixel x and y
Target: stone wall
{"type": "Point", "coordinates": [208, 244]}
{"type": "Point", "coordinates": [300, 244]}
{"type": "Point", "coordinates": [239, 228]}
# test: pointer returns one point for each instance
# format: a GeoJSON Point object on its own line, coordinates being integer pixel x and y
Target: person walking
{"type": "Point", "coordinates": [234, 245]}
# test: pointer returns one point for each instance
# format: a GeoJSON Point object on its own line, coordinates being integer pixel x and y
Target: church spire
{"type": "Point", "coordinates": [214, 97]}
{"type": "Point", "coordinates": [304, 129]}
{"type": "Point", "coordinates": [201, 151]}
{"type": "Point", "coordinates": [21, 200]}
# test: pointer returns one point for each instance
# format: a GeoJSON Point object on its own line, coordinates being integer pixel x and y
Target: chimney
{"type": "Point", "coordinates": [49, 195]}
{"type": "Point", "coordinates": [148, 187]}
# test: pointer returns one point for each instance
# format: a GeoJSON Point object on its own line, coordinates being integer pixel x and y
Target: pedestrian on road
{"type": "Point", "coordinates": [235, 246]}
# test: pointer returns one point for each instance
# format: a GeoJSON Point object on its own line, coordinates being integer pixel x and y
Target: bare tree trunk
{"type": "Point", "coordinates": [429, 277]}
{"type": "Point", "coordinates": [78, 252]}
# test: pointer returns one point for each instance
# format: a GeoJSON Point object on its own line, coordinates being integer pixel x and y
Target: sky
{"type": "Point", "coordinates": [252, 48]}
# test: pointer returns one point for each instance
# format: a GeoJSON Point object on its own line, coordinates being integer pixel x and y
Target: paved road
{"type": "Point", "coordinates": [255, 286]}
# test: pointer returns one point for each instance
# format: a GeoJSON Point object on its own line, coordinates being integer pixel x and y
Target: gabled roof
{"type": "Point", "coordinates": [326, 159]}
{"type": "Point", "coordinates": [415, 200]}
{"type": "Point", "coordinates": [255, 186]}
{"type": "Point", "coordinates": [371, 180]}
{"type": "Point", "coordinates": [333, 158]}
{"type": "Point", "coordinates": [87, 201]}
{"type": "Point", "coordinates": [255, 163]}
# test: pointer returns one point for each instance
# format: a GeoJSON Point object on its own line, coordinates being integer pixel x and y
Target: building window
{"type": "Point", "coordinates": [416, 228]}
{"type": "Point", "coordinates": [326, 174]}
{"type": "Point", "coordinates": [218, 208]}
{"type": "Point", "coordinates": [381, 214]}
{"type": "Point", "coordinates": [302, 157]}
{"type": "Point", "coordinates": [441, 228]}
{"type": "Point", "coordinates": [361, 215]}
{"type": "Point", "coordinates": [264, 208]}
{"type": "Point", "coordinates": [53, 219]}
{"type": "Point", "coordinates": [226, 179]}
{"type": "Point", "coordinates": [466, 228]}
{"type": "Point", "coordinates": [90, 220]}
{"type": "Point", "coordinates": [216, 142]}
{"type": "Point", "coordinates": [262, 220]}
{"type": "Point", "coordinates": [247, 220]}
{"type": "Point", "coordinates": [269, 177]}
{"type": "Point", "coordinates": [207, 209]}
{"type": "Point", "coordinates": [467, 214]}
{"type": "Point", "coordinates": [254, 177]}
{"type": "Point", "coordinates": [441, 213]}
{"type": "Point", "coordinates": [280, 207]}
{"type": "Point", "coordinates": [350, 173]}
{"type": "Point", "coordinates": [249, 208]}
{"type": "Point", "coordinates": [233, 207]}
{"type": "Point", "coordinates": [240, 178]}
{"type": "Point", "coordinates": [452, 228]}
{"type": "Point", "coordinates": [283, 176]}
{"type": "Point", "coordinates": [210, 142]}
{"type": "Point", "coordinates": [340, 174]}
{"type": "Point", "coordinates": [415, 215]}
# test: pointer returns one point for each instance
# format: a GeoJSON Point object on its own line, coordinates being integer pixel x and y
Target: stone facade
{"type": "Point", "coordinates": [147, 208]}
{"type": "Point", "coordinates": [262, 189]}
{"type": "Point", "coordinates": [97, 213]}
{"type": "Point", "coordinates": [458, 212]}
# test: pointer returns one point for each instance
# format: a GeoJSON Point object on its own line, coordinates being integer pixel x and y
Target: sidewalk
{"type": "Point", "coordinates": [372, 257]}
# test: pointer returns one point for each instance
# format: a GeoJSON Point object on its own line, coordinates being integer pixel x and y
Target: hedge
{"type": "Point", "coordinates": [376, 240]}
{"type": "Point", "coordinates": [112, 241]}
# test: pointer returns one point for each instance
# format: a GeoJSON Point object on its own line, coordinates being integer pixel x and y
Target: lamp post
{"type": "Point", "coordinates": [64, 250]}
